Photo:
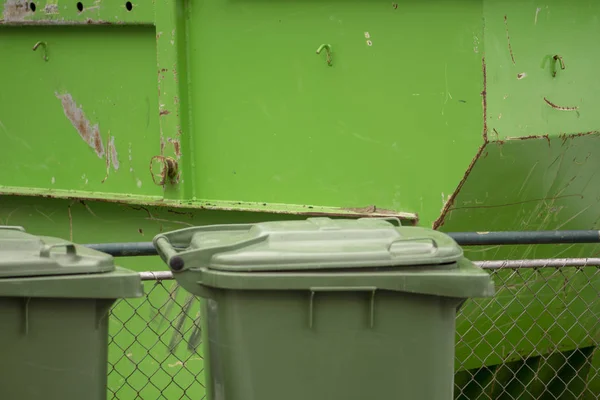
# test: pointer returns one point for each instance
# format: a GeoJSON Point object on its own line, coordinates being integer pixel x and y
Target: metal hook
{"type": "Point", "coordinates": [327, 48]}
{"type": "Point", "coordinates": [562, 64]}
{"type": "Point", "coordinates": [38, 44]}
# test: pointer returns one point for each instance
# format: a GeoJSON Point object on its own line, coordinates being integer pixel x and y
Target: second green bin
{"type": "Point", "coordinates": [55, 299]}
{"type": "Point", "coordinates": [325, 309]}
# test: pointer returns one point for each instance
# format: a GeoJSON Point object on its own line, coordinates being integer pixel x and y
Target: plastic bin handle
{"type": "Point", "coordinates": [46, 249]}
{"type": "Point", "coordinates": [174, 261]}
{"type": "Point", "coordinates": [434, 244]}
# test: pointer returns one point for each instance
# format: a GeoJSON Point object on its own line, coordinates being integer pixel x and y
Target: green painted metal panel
{"type": "Point", "coordinates": [521, 40]}
{"type": "Point", "coordinates": [285, 129]}
{"type": "Point", "coordinates": [273, 122]}
{"type": "Point", "coordinates": [83, 120]}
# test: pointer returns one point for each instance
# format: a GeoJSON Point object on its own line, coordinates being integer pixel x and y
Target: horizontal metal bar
{"type": "Point", "coordinates": [156, 275]}
{"type": "Point", "coordinates": [540, 263]}
{"type": "Point", "coordinates": [487, 264]}
{"type": "Point", "coordinates": [524, 237]}
{"type": "Point", "coordinates": [125, 249]}
{"type": "Point", "coordinates": [462, 238]}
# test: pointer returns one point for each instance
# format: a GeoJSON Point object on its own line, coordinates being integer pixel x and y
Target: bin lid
{"type": "Point", "coordinates": [26, 255]}
{"type": "Point", "coordinates": [318, 244]}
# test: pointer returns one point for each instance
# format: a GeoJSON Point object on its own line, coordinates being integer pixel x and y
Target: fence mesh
{"type": "Point", "coordinates": [538, 338]}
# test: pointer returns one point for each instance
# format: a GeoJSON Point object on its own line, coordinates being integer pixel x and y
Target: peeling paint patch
{"type": "Point", "coordinates": [114, 157]}
{"type": "Point", "coordinates": [51, 9]}
{"type": "Point", "coordinates": [139, 183]}
{"type": "Point", "coordinates": [15, 10]}
{"type": "Point", "coordinates": [88, 132]}
{"type": "Point", "coordinates": [176, 146]}
{"type": "Point", "coordinates": [130, 159]}
{"type": "Point", "coordinates": [521, 75]}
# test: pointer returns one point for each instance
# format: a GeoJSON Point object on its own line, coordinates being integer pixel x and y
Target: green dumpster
{"type": "Point", "coordinates": [325, 309]}
{"type": "Point", "coordinates": [55, 298]}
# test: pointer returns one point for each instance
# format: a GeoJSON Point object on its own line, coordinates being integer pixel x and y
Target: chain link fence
{"type": "Point", "coordinates": [538, 338]}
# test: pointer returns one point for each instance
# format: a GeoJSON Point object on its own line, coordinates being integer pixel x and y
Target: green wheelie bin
{"type": "Point", "coordinates": [55, 297]}
{"type": "Point", "coordinates": [325, 309]}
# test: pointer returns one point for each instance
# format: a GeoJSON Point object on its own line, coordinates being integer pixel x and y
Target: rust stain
{"type": "Point", "coordinates": [521, 75]}
{"type": "Point", "coordinates": [88, 132]}
{"type": "Point", "coordinates": [164, 112]}
{"type": "Point", "coordinates": [546, 137]}
{"type": "Point", "coordinates": [450, 203]}
{"type": "Point", "coordinates": [16, 10]}
{"type": "Point", "coordinates": [176, 99]}
{"type": "Point", "coordinates": [564, 137]}
{"type": "Point", "coordinates": [57, 22]}
{"type": "Point", "coordinates": [176, 146]}
{"type": "Point", "coordinates": [561, 108]}
{"type": "Point", "coordinates": [169, 170]}
{"type": "Point", "coordinates": [136, 204]}
{"type": "Point", "coordinates": [175, 76]}
{"type": "Point", "coordinates": [484, 100]}
{"type": "Point", "coordinates": [512, 56]}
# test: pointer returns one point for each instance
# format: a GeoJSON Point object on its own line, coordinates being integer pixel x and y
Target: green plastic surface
{"type": "Point", "coordinates": [22, 254]}
{"type": "Point", "coordinates": [54, 308]}
{"type": "Point", "coordinates": [53, 348]}
{"type": "Point", "coordinates": [355, 345]}
{"type": "Point", "coordinates": [121, 283]}
{"type": "Point", "coordinates": [313, 244]}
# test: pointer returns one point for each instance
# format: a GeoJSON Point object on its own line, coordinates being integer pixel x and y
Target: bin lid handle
{"type": "Point", "coordinates": [46, 249]}
{"type": "Point", "coordinates": [434, 244]}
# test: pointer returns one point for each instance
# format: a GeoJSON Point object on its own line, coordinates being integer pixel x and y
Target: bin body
{"type": "Point", "coordinates": [261, 346]}
{"type": "Point", "coordinates": [325, 309]}
{"type": "Point", "coordinates": [54, 307]}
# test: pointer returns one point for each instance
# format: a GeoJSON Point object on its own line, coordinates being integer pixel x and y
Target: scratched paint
{"type": "Point", "coordinates": [16, 10]}
{"type": "Point", "coordinates": [176, 146]}
{"type": "Point", "coordinates": [51, 8]}
{"type": "Point", "coordinates": [114, 157]}
{"type": "Point", "coordinates": [88, 132]}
